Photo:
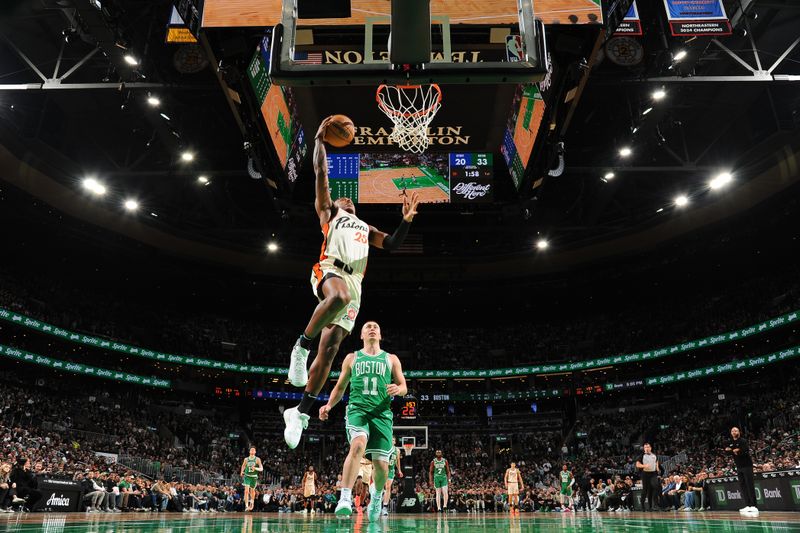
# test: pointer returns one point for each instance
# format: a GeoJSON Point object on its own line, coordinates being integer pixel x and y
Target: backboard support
{"type": "Point", "coordinates": [531, 68]}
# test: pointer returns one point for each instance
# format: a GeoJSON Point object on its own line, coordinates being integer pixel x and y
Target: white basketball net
{"type": "Point", "coordinates": [411, 109]}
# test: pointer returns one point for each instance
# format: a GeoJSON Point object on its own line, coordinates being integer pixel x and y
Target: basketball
{"type": "Point", "coordinates": [340, 131]}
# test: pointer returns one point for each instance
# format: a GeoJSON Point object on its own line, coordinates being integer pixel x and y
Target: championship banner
{"type": "Point", "coordinates": [697, 17]}
{"type": "Point", "coordinates": [631, 24]}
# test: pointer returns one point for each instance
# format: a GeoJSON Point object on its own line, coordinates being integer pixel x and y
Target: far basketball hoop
{"type": "Point", "coordinates": [408, 444]}
{"type": "Point", "coordinates": [411, 109]}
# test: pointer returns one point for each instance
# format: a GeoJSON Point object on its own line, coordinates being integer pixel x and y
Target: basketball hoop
{"type": "Point", "coordinates": [408, 447]}
{"type": "Point", "coordinates": [411, 109]}
{"type": "Point", "coordinates": [408, 444]}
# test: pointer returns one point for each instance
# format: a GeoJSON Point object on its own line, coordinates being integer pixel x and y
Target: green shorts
{"type": "Point", "coordinates": [250, 482]}
{"type": "Point", "coordinates": [439, 482]}
{"type": "Point", "coordinates": [376, 427]}
{"type": "Point", "coordinates": [566, 490]}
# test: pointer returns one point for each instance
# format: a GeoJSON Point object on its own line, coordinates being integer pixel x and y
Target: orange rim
{"type": "Point", "coordinates": [425, 111]}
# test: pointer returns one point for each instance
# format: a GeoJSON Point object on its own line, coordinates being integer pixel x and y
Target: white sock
{"type": "Point", "coordinates": [347, 494]}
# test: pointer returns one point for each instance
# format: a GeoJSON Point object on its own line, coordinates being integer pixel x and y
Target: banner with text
{"type": "Point", "coordinates": [775, 491]}
{"type": "Point", "coordinates": [631, 24]}
{"type": "Point", "coordinates": [713, 340]}
{"type": "Point", "coordinates": [697, 17]}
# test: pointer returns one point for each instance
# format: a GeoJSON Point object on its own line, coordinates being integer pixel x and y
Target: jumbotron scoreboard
{"type": "Point", "coordinates": [471, 177]}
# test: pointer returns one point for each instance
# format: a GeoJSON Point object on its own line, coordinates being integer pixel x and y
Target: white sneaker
{"type": "Point", "coordinates": [313, 511]}
{"type": "Point", "coordinates": [751, 512]}
{"type": "Point", "coordinates": [344, 508]}
{"type": "Point", "coordinates": [298, 373]}
{"type": "Point", "coordinates": [296, 422]}
{"type": "Point", "coordinates": [385, 512]}
{"type": "Point", "coordinates": [744, 510]}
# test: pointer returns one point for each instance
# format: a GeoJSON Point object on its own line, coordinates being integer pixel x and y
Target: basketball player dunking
{"type": "Point", "coordinates": [513, 482]}
{"type": "Point", "coordinates": [336, 282]}
{"type": "Point", "coordinates": [251, 466]}
{"type": "Point", "coordinates": [374, 376]}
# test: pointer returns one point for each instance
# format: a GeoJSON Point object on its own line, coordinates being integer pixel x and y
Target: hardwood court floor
{"type": "Point", "coordinates": [711, 522]}
{"type": "Point", "coordinates": [232, 13]}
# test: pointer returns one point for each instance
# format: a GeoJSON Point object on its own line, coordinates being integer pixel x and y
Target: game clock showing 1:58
{"type": "Point", "coordinates": [471, 177]}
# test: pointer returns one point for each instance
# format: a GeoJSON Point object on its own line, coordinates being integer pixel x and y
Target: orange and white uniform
{"type": "Point", "coordinates": [345, 251]}
{"type": "Point", "coordinates": [365, 471]}
{"type": "Point", "coordinates": [513, 481]}
{"type": "Point", "coordinates": [310, 488]}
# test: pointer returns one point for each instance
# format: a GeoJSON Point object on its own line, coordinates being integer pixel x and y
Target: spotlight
{"type": "Point", "coordinates": [542, 244]}
{"type": "Point", "coordinates": [154, 215]}
{"type": "Point", "coordinates": [272, 247]}
{"type": "Point", "coordinates": [153, 101]}
{"type": "Point", "coordinates": [660, 209]}
{"type": "Point", "coordinates": [609, 176]}
{"type": "Point", "coordinates": [131, 205]}
{"type": "Point", "coordinates": [94, 186]}
{"type": "Point", "coordinates": [720, 181]}
{"type": "Point", "coordinates": [680, 54]}
{"type": "Point", "coordinates": [646, 111]}
{"type": "Point", "coordinates": [625, 151]}
{"type": "Point", "coordinates": [165, 116]}
{"type": "Point", "coordinates": [129, 59]}
{"type": "Point", "coordinates": [203, 180]}
{"type": "Point", "coordinates": [681, 200]}
{"type": "Point", "coordinates": [187, 156]}
{"type": "Point", "coordinates": [659, 94]}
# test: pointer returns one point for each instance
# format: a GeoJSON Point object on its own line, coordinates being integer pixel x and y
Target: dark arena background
{"type": "Point", "coordinates": [586, 265]}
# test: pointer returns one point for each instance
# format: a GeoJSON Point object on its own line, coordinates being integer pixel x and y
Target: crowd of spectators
{"type": "Point", "coordinates": [260, 341]}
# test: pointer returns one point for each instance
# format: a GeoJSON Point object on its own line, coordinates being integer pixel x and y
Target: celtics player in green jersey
{"type": "Point", "coordinates": [439, 475]}
{"type": "Point", "coordinates": [374, 376]}
{"type": "Point", "coordinates": [394, 466]}
{"type": "Point", "coordinates": [567, 481]}
{"type": "Point", "coordinates": [251, 466]}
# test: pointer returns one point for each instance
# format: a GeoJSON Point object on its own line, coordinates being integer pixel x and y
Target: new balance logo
{"type": "Point", "coordinates": [409, 502]}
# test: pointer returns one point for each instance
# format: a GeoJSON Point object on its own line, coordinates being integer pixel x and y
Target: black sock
{"type": "Point", "coordinates": [307, 403]}
{"type": "Point", "coordinates": [305, 342]}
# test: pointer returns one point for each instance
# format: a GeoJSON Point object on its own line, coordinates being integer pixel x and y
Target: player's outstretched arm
{"type": "Point", "coordinates": [379, 239]}
{"type": "Point", "coordinates": [398, 386]}
{"type": "Point", "coordinates": [339, 389]}
{"type": "Point", "coordinates": [323, 202]}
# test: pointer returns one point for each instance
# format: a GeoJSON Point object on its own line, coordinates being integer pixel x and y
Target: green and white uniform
{"type": "Point", "coordinates": [393, 462]}
{"type": "Point", "coordinates": [250, 472]}
{"type": "Point", "coordinates": [566, 490]}
{"type": "Point", "coordinates": [369, 410]}
{"type": "Point", "coordinates": [439, 473]}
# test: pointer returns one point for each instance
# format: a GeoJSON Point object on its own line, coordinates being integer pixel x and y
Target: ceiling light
{"type": "Point", "coordinates": [131, 205]}
{"type": "Point", "coordinates": [153, 101]}
{"type": "Point", "coordinates": [680, 54]}
{"type": "Point", "coordinates": [202, 179]}
{"type": "Point", "coordinates": [720, 181]}
{"type": "Point", "coordinates": [659, 94]}
{"type": "Point", "coordinates": [129, 59]}
{"type": "Point", "coordinates": [94, 186]}
{"type": "Point", "coordinates": [187, 156]}
{"type": "Point", "coordinates": [681, 200]}
{"type": "Point", "coordinates": [609, 176]}
{"type": "Point", "coordinates": [660, 209]}
{"type": "Point", "coordinates": [165, 116]}
{"type": "Point", "coordinates": [272, 247]}
{"type": "Point", "coordinates": [625, 151]}
{"type": "Point", "coordinates": [646, 111]}
{"type": "Point", "coordinates": [542, 244]}
{"type": "Point", "coordinates": [153, 214]}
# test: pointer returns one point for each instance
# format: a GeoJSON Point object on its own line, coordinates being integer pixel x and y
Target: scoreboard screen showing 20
{"type": "Point", "coordinates": [471, 177]}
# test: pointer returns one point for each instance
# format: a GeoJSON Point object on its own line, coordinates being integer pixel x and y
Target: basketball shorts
{"type": "Point", "coordinates": [250, 482]}
{"type": "Point", "coordinates": [513, 489]}
{"type": "Point", "coordinates": [566, 490]}
{"type": "Point", "coordinates": [346, 319]}
{"type": "Point", "coordinates": [392, 470]}
{"type": "Point", "coordinates": [377, 429]}
{"type": "Point", "coordinates": [439, 482]}
{"type": "Point", "coordinates": [309, 490]}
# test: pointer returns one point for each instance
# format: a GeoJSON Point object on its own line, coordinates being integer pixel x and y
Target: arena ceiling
{"type": "Point", "coordinates": [721, 113]}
